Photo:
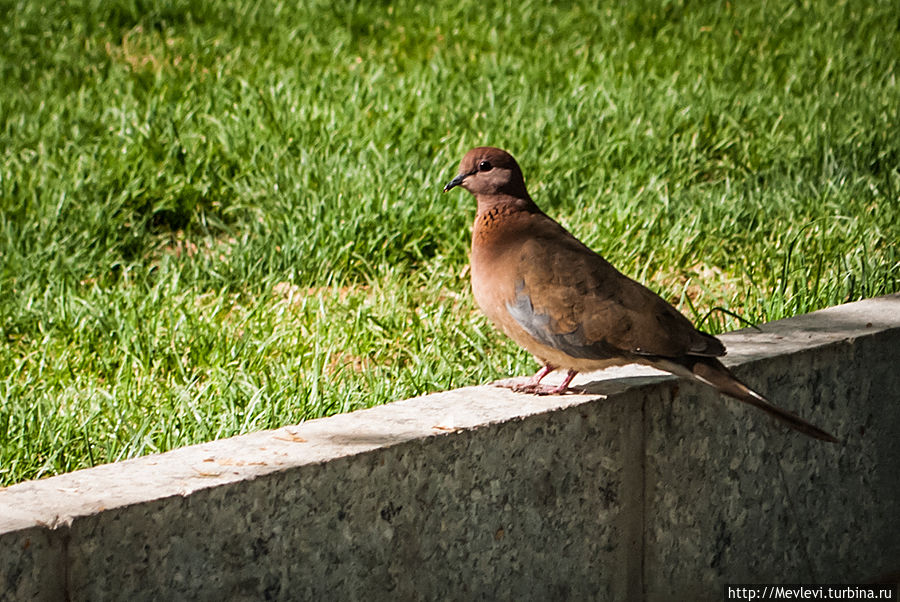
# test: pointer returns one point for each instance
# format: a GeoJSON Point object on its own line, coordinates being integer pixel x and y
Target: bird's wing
{"type": "Point", "coordinates": [570, 298]}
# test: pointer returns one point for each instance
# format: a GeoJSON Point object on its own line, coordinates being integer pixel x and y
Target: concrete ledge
{"type": "Point", "coordinates": [646, 488]}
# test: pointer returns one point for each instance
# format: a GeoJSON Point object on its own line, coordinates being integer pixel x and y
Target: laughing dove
{"type": "Point", "coordinates": [567, 305]}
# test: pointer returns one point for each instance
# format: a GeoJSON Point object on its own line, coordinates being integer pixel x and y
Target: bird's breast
{"type": "Point", "coordinates": [498, 237]}
{"type": "Point", "coordinates": [493, 283]}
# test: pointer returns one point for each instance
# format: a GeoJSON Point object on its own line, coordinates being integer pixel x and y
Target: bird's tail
{"type": "Point", "coordinates": [711, 371]}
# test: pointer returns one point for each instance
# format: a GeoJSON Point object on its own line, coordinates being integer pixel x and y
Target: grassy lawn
{"type": "Point", "coordinates": [223, 217]}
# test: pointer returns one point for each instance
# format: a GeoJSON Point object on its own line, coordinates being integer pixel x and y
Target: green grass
{"type": "Point", "coordinates": [222, 217]}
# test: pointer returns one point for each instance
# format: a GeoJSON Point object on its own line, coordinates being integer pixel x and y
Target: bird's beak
{"type": "Point", "coordinates": [456, 181]}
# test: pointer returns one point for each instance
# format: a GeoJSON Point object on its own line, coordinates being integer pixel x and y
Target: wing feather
{"type": "Point", "coordinates": [570, 298]}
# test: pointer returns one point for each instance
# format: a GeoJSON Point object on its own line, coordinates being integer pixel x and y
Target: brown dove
{"type": "Point", "coordinates": [570, 307]}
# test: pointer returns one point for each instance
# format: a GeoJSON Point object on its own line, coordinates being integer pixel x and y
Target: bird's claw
{"type": "Point", "coordinates": [538, 389]}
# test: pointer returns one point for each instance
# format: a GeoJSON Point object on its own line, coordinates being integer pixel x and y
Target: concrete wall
{"type": "Point", "coordinates": [646, 488]}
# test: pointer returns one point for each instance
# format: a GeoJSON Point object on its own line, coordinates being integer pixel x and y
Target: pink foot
{"type": "Point", "coordinates": [539, 389]}
{"type": "Point", "coordinates": [535, 387]}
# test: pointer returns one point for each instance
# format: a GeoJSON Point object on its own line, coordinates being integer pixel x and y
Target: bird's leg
{"type": "Point", "coordinates": [533, 384]}
{"type": "Point", "coordinates": [539, 375]}
{"type": "Point", "coordinates": [564, 386]}
{"type": "Point", "coordinates": [535, 387]}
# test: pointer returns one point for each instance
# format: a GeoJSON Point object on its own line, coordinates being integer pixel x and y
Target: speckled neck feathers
{"type": "Point", "coordinates": [499, 217]}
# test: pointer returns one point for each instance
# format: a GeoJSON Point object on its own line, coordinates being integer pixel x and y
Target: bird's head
{"type": "Point", "coordinates": [488, 171]}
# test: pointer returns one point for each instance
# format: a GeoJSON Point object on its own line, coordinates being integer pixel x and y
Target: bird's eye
{"type": "Point", "coordinates": [485, 166]}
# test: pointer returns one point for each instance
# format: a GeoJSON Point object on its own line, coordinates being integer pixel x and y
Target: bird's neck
{"type": "Point", "coordinates": [504, 204]}
{"type": "Point", "coordinates": [499, 219]}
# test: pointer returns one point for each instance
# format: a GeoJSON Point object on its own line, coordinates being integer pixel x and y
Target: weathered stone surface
{"type": "Point", "coordinates": [32, 563]}
{"type": "Point", "coordinates": [646, 487]}
{"type": "Point", "coordinates": [421, 517]}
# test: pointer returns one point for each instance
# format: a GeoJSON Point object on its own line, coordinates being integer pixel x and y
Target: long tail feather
{"type": "Point", "coordinates": [712, 372]}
